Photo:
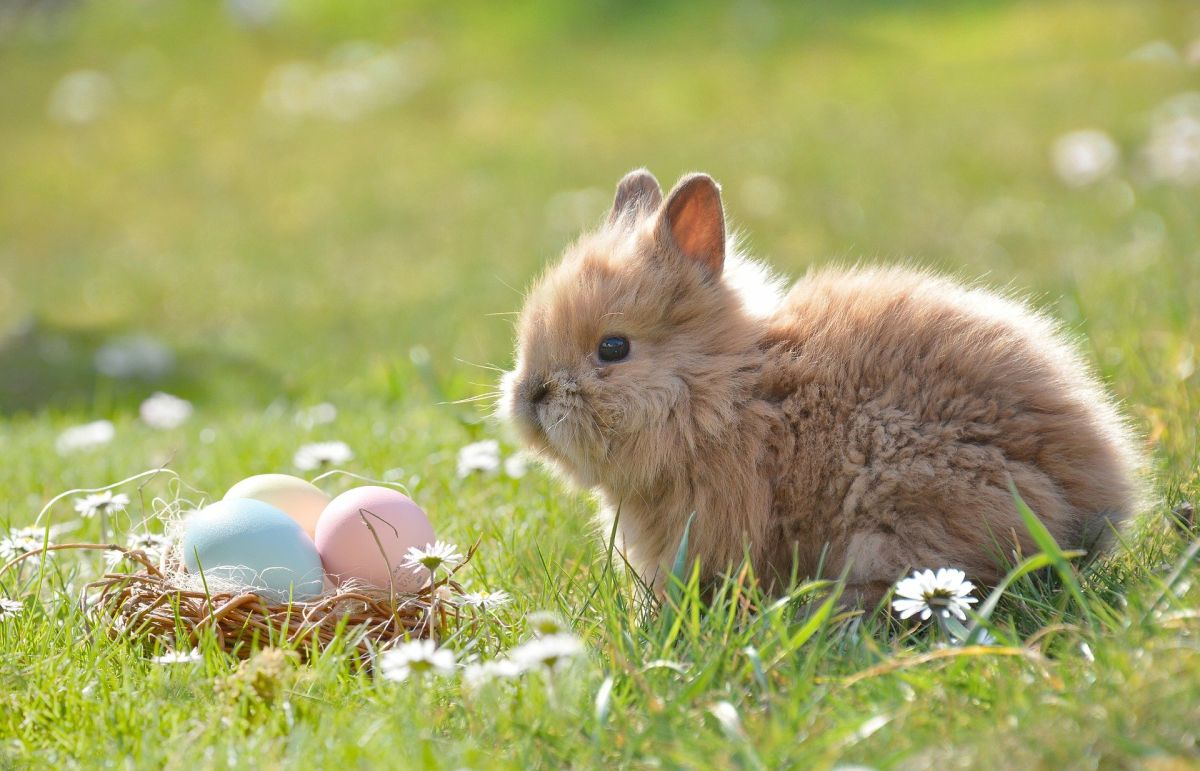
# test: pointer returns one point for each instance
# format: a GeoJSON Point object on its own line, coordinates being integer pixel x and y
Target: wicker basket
{"type": "Point", "coordinates": [148, 604]}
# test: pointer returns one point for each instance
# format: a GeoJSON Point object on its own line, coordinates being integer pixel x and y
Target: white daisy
{"type": "Point", "coordinates": [1083, 157]}
{"type": "Point", "coordinates": [85, 437]}
{"type": "Point", "coordinates": [1173, 150]}
{"type": "Point", "coordinates": [551, 651]}
{"type": "Point", "coordinates": [316, 415]}
{"type": "Point", "coordinates": [153, 545]}
{"type": "Point", "coordinates": [101, 503]}
{"type": "Point", "coordinates": [516, 465]}
{"type": "Point", "coordinates": [544, 622]}
{"type": "Point", "coordinates": [479, 456]}
{"type": "Point", "coordinates": [727, 715]}
{"type": "Point", "coordinates": [485, 600]}
{"type": "Point", "coordinates": [164, 411]}
{"type": "Point", "coordinates": [179, 657]}
{"type": "Point", "coordinates": [81, 97]}
{"type": "Point", "coordinates": [321, 454]}
{"type": "Point", "coordinates": [416, 657]}
{"type": "Point", "coordinates": [440, 555]}
{"type": "Point", "coordinates": [254, 13]}
{"type": "Point", "coordinates": [476, 674]}
{"type": "Point", "coordinates": [9, 608]}
{"type": "Point", "coordinates": [22, 540]}
{"type": "Point", "coordinates": [945, 593]}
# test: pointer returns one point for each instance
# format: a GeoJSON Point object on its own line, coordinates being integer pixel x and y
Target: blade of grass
{"type": "Point", "coordinates": [810, 627]}
{"type": "Point", "coordinates": [675, 581]}
{"type": "Point", "coordinates": [1059, 559]}
{"type": "Point", "coordinates": [984, 613]}
{"type": "Point", "coordinates": [1172, 580]}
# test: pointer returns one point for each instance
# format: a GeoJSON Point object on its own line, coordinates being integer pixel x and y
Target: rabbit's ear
{"type": "Point", "coordinates": [638, 194]}
{"type": "Point", "coordinates": [694, 221]}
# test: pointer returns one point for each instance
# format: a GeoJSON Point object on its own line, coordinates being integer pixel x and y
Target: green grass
{"type": "Point", "coordinates": [370, 262]}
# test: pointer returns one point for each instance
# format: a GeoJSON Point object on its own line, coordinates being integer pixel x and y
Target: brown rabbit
{"type": "Point", "coordinates": [870, 421]}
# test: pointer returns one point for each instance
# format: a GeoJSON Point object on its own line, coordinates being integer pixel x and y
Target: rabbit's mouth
{"type": "Point", "coordinates": [529, 416]}
{"type": "Point", "coordinates": [515, 408]}
{"type": "Point", "coordinates": [556, 422]}
{"type": "Point", "coordinates": [553, 418]}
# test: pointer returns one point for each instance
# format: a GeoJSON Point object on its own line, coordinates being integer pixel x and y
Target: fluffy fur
{"type": "Point", "coordinates": [869, 421]}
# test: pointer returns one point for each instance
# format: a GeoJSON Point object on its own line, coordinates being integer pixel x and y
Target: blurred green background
{"type": "Point", "coordinates": [264, 200]}
{"type": "Point", "coordinates": [313, 219]}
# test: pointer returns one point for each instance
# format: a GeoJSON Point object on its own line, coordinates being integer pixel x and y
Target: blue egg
{"type": "Point", "coordinates": [254, 545]}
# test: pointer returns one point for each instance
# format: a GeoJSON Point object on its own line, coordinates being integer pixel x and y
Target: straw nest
{"type": "Point", "coordinates": [160, 602]}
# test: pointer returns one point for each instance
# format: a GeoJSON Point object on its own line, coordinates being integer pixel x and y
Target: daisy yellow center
{"type": "Point", "coordinates": [939, 597]}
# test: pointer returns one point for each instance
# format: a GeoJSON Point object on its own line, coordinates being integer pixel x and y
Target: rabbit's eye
{"type": "Point", "coordinates": [613, 348]}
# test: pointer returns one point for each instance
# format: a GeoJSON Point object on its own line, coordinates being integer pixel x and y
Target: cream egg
{"type": "Point", "coordinates": [300, 500]}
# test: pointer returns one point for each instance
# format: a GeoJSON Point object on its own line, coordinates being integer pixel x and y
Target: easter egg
{"type": "Point", "coordinates": [252, 544]}
{"type": "Point", "coordinates": [350, 550]}
{"type": "Point", "coordinates": [300, 500]}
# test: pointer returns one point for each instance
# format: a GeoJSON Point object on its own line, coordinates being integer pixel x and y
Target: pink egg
{"type": "Point", "coordinates": [349, 550]}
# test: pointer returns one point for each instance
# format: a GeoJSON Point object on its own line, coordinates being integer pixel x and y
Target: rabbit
{"type": "Point", "coordinates": [866, 423]}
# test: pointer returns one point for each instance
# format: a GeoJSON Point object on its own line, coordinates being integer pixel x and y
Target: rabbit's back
{"type": "Point", "coordinates": [907, 402]}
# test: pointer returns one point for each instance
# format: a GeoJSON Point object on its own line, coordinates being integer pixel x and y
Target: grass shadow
{"type": "Point", "coordinates": [44, 366]}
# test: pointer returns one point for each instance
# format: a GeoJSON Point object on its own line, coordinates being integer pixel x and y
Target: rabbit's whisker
{"type": "Point", "coordinates": [491, 367]}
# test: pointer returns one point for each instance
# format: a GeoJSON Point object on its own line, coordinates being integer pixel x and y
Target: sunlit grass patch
{"type": "Point", "coordinates": [304, 219]}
